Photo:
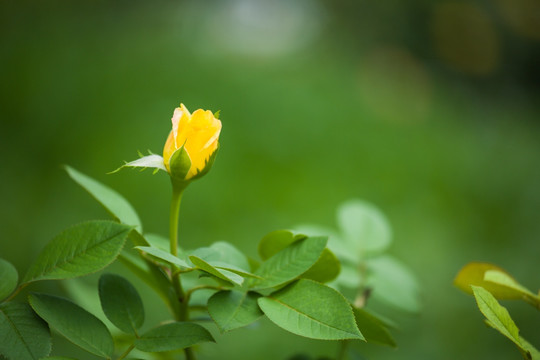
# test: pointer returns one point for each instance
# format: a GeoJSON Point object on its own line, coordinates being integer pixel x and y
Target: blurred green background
{"type": "Point", "coordinates": [430, 110]}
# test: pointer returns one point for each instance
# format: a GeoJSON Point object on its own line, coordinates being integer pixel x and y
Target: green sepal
{"type": "Point", "coordinates": [179, 165]}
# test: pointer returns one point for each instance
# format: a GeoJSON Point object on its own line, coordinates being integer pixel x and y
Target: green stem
{"type": "Point", "coordinates": [181, 306]}
{"type": "Point", "coordinates": [16, 292]}
{"type": "Point", "coordinates": [342, 351]}
{"type": "Point", "coordinates": [200, 287]}
{"type": "Point", "coordinates": [126, 352]}
{"type": "Point", "coordinates": [182, 312]}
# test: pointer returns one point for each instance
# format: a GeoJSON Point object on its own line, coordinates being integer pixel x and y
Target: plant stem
{"type": "Point", "coordinates": [126, 352]}
{"type": "Point", "coordinates": [182, 310]}
{"type": "Point", "coordinates": [16, 292]}
{"type": "Point", "coordinates": [342, 351]}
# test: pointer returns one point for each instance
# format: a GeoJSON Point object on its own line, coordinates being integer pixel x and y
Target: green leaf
{"type": "Point", "coordinates": [9, 277]}
{"type": "Point", "coordinates": [163, 255]}
{"type": "Point", "coordinates": [350, 276]}
{"type": "Point", "coordinates": [234, 309]}
{"type": "Point", "coordinates": [113, 202]}
{"type": "Point", "coordinates": [364, 227]}
{"type": "Point", "coordinates": [219, 273]}
{"type": "Point", "coordinates": [223, 256]}
{"type": "Point", "coordinates": [157, 241]}
{"type": "Point", "coordinates": [150, 161]}
{"type": "Point", "coordinates": [121, 303]}
{"type": "Point", "coordinates": [503, 287]}
{"type": "Point", "coordinates": [173, 336]}
{"type": "Point", "coordinates": [152, 276]}
{"type": "Point", "coordinates": [326, 269]}
{"type": "Point", "coordinates": [289, 263]}
{"type": "Point", "coordinates": [530, 351]}
{"type": "Point", "coordinates": [497, 315]}
{"type": "Point", "coordinates": [336, 243]}
{"type": "Point", "coordinates": [24, 336]}
{"type": "Point", "coordinates": [393, 283]}
{"type": "Point", "coordinates": [80, 250]}
{"type": "Point", "coordinates": [507, 282]}
{"type": "Point", "coordinates": [57, 358]}
{"type": "Point", "coordinates": [230, 255]}
{"type": "Point", "coordinates": [274, 242]}
{"type": "Point", "coordinates": [308, 308]}
{"type": "Point", "coordinates": [373, 328]}
{"type": "Point", "coordinates": [74, 323]}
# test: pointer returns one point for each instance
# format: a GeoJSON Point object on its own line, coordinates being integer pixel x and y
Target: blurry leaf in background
{"type": "Point", "coordinates": [113, 202]}
{"type": "Point", "coordinates": [498, 318]}
{"type": "Point", "coordinates": [79, 250]}
{"type": "Point", "coordinates": [24, 335]}
{"type": "Point", "coordinates": [74, 323]}
{"type": "Point", "coordinates": [9, 278]}
{"type": "Point", "coordinates": [364, 227]}
{"type": "Point", "coordinates": [395, 86]}
{"type": "Point", "coordinates": [465, 37]}
{"type": "Point", "coordinates": [506, 281]}
{"type": "Point", "coordinates": [499, 283]}
{"type": "Point", "coordinates": [521, 16]}
{"type": "Point", "coordinates": [393, 283]}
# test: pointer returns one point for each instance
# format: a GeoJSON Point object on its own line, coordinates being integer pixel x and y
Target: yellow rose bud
{"type": "Point", "coordinates": [197, 134]}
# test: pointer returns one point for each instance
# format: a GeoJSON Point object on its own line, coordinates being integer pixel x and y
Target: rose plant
{"type": "Point", "coordinates": [312, 282]}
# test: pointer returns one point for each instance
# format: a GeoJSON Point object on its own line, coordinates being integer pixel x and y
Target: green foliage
{"type": "Point", "coordinates": [80, 250]}
{"type": "Point", "coordinates": [164, 256]}
{"type": "Point", "coordinates": [219, 273]}
{"type": "Point", "coordinates": [496, 281]}
{"type": "Point", "coordinates": [388, 278]}
{"type": "Point", "coordinates": [364, 227]}
{"type": "Point", "coordinates": [233, 309]}
{"type": "Point", "coordinates": [173, 336]}
{"type": "Point", "coordinates": [113, 202]}
{"type": "Point", "coordinates": [360, 244]}
{"type": "Point", "coordinates": [488, 282]}
{"type": "Point", "coordinates": [74, 323]}
{"type": "Point", "coordinates": [121, 303]}
{"type": "Point", "coordinates": [289, 263]}
{"type": "Point", "coordinates": [9, 276]}
{"type": "Point", "coordinates": [303, 308]}
{"type": "Point", "coordinates": [498, 318]}
{"type": "Point", "coordinates": [287, 286]}
{"type": "Point", "coordinates": [373, 328]}
{"type": "Point", "coordinates": [24, 336]}
{"type": "Point", "coordinates": [326, 268]}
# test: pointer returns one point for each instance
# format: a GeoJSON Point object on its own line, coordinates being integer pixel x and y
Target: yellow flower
{"type": "Point", "coordinates": [198, 133]}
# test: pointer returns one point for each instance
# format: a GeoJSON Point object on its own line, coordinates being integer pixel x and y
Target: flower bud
{"type": "Point", "coordinates": [192, 144]}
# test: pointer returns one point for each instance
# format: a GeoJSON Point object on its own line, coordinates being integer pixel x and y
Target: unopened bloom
{"type": "Point", "coordinates": [197, 136]}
